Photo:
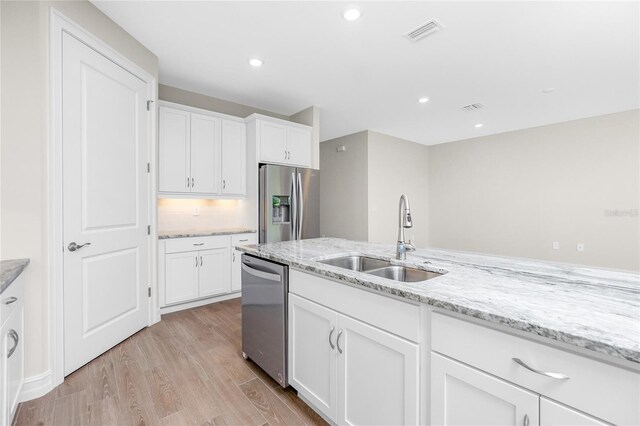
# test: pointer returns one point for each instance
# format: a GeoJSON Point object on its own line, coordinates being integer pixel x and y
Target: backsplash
{"type": "Point", "coordinates": [178, 214]}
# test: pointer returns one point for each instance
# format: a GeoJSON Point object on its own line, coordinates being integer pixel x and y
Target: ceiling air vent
{"type": "Point", "coordinates": [424, 30]}
{"type": "Point", "coordinates": [472, 107]}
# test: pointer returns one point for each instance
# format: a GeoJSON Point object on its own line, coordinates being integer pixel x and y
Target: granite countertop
{"type": "Point", "coordinates": [10, 270]}
{"type": "Point", "coordinates": [586, 307]}
{"type": "Point", "coordinates": [164, 235]}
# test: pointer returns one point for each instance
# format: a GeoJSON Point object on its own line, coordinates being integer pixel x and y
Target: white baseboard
{"type": "Point", "coordinates": [196, 303]}
{"type": "Point", "coordinates": [36, 386]}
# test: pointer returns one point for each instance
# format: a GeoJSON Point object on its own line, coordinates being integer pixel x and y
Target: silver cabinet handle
{"type": "Point", "coordinates": [196, 261]}
{"type": "Point", "coordinates": [234, 256]}
{"type": "Point", "coordinates": [188, 182]}
{"type": "Point", "coordinates": [285, 154]}
{"type": "Point", "coordinates": [331, 334]}
{"type": "Point", "coordinates": [525, 422]}
{"type": "Point", "coordinates": [200, 260]}
{"type": "Point", "coordinates": [224, 183]}
{"type": "Point", "coordinates": [10, 300]}
{"type": "Point", "coordinates": [16, 339]}
{"type": "Point", "coordinates": [557, 376]}
{"type": "Point", "coordinates": [193, 183]}
{"type": "Point", "coordinates": [73, 246]}
{"type": "Point", "coordinates": [198, 244]}
{"type": "Point", "coordinates": [338, 341]}
{"type": "Point", "coordinates": [243, 241]}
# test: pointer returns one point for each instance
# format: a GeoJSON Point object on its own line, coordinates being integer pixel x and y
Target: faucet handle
{"type": "Point", "coordinates": [409, 246]}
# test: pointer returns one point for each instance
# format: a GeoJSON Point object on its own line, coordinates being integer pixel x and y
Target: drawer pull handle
{"type": "Point", "coordinates": [557, 376]}
{"type": "Point", "coordinates": [244, 241]}
{"type": "Point", "coordinates": [16, 339]}
{"type": "Point", "coordinates": [198, 244]}
{"type": "Point", "coordinates": [331, 334]}
{"type": "Point", "coordinates": [10, 300]}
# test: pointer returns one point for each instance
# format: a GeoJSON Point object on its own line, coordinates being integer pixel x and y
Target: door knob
{"type": "Point", "coordinates": [73, 246]}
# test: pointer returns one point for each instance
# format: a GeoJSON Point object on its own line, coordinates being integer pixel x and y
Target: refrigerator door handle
{"type": "Point", "coordinates": [294, 207]}
{"type": "Point", "coordinates": [301, 203]}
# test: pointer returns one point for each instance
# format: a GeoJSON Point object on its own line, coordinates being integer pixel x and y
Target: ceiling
{"type": "Point", "coordinates": [365, 75]}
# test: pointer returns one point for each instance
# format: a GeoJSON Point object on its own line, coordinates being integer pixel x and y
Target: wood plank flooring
{"type": "Point", "coordinates": [185, 370]}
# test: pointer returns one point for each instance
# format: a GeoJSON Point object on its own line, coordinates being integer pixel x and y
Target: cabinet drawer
{"type": "Point", "coordinates": [602, 390]}
{"type": "Point", "coordinates": [196, 243]}
{"type": "Point", "coordinates": [12, 297]}
{"type": "Point", "coordinates": [243, 239]}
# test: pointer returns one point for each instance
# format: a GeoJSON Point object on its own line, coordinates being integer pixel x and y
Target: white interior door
{"type": "Point", "coordinates": [105, 203]}
{"type": "Point", "coordinates": [205, 154]}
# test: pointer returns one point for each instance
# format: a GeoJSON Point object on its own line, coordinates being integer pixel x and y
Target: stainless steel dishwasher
{"type": "Point", "coordinates": [265, 286]}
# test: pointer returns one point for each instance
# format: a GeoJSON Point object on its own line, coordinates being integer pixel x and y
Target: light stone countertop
{"type": "Point", "coordinates": [10, 270]}
{"type": "Point", "coordinates": [590, 308]}
{"type": "Point", "coordinates": [165, 235]}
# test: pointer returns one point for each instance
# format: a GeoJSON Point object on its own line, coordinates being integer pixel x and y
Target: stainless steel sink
{"type": "Point", "coordinates": [380, 268]}
{"type": "Point", "coordinates": [402, 273]}
{"type": "Point", "coordinates": [356, 263]}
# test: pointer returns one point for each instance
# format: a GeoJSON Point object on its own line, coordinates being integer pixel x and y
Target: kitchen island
{"type": "Point", "coordinates": [480, 310]}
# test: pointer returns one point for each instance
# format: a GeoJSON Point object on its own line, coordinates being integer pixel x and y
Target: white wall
{"type": "Point", "coordinates": [24, 144]}
{"type": "Point", "coordinates": [515, 193]}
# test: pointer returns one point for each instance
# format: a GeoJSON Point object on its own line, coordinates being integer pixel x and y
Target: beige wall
{"type": "Point", "coordinates": [515, 193]}
{"type": "Point", "coordinates": [24, 144]}
{"type": "Point", "coordinates": [343, 188]}
{"type": "Point", "coordinates": [397, 166]}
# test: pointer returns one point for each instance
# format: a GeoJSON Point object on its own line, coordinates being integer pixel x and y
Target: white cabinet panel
{"type": "Point", "coordinates": [378, 376]}
{"type": "Point", "coordinates": [312, 359]}
{"type": "Point", "coordinates": [461, 395]}
{"type": "Point", "coordinates": [14, 352]}
{"type": "Point", "coordinates": [233, 157]}
{"type": "Point", "coordinates": [554, 414]}
{"type": "Point", "coordinates": [213, 272]}
{"type": "Point", "coordinates": [174, 150]}
{"type": "Point", "coordinates": [181, 277]}
{"type": "Point", "coordinates": [205, 154]}
{"type": "Point", "coordinates": [273, 139]}
{"type": "Point", "coordinates": [236, 258]}
{"type": "Point", "coordinates": [299, 146]}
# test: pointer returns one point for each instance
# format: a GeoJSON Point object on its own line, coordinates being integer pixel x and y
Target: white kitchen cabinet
{"type": "Point", "coordinates": [299, 146]}
{"type": "Point", "coordinates": [313, 366]}
{"type": "Point", "coordinates": [233, 157]}
{"type": "Point", "coordinates": [181, 271]}
{"type": "Point", "coordinates": [11, 349]}
{"type": "Point", "coordinates": [205, 154]}
{"type": "Point", "coordinates": [555, 414]}
{"type": "Point", "coordinates": [213, 272]}
{"type": "Point", "coordinates": [236, 258]}
{"type": "Point", "coordinates": [461, 395]}
{"type": "Point", "coordinates": [273, 142]}
{"type": "Point", "coordinates": [201, 153]}
{"type": "Point", "coordinates": [377, 376]}
{"type": "Point", "coordinates": [280, 141]}
{"type": "Point", "coordinates": [174, 150]}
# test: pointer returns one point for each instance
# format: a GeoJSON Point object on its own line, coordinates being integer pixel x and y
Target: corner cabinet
{"type": "Point", "coordinates": [12, 349]}
{"type": "Point", "coordinates": [199, 270]}
{"type": "Point", "coordinates": [200, 153]}
{"type": "Point", "coordinates": [280, 141]}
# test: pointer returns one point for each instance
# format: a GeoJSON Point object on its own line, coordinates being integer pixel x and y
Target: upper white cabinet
{"type": "Point", "coordinates": [280, 141]}
{"type": "Point", "coordinates": [200, 153]}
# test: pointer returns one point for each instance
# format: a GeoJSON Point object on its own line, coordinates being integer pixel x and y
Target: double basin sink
{"type": "Point", "coordinates": [380, 268]}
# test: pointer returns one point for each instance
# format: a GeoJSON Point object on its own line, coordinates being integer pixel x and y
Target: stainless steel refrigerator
{"type": "Point", "coordinates": [289, 207]}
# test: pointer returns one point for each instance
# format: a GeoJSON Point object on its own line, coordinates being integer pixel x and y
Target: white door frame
{"type": "Point", "coordinates": [59, 24]}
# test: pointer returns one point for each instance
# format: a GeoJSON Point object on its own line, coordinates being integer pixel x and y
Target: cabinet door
{"type": "Point", "coordinates": [14, 352]}
{"type": "Point", "coordinates": [205, 154]}
{"type": "Point", "coordinates": [181, 277]}
{"type": "Point", "coordinates": [461, 395]}
{"type": "Point", "coordinates": [272, 142]}
{"type": "Point", "coordinates": [174, 150]}
{"type": "Point", "coordinates": [236, 270]}
{"type": "Point", "coordinates": [214, 271]}
{"type": "Point", "coordinates": [378, 376]}
{"type": "Point", "coordinates": [3, 375]}
{"type": "Point", "coordinates": [312, 354]}
{"type": "Point", "coordinates": [299, 146]}
{"type": "Point", "coordinates": [234, 144]}
{"type": "Point", "coordinates": [554, 414]}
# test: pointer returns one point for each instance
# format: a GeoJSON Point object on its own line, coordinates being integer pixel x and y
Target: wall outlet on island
{"type": "Point", "coordinates": [196, 211]}
{"type": "Point", "coordinates": [580, 247]}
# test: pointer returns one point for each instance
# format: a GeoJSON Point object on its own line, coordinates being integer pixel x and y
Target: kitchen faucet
{"type": "Point", "coordinates": [404, 214]}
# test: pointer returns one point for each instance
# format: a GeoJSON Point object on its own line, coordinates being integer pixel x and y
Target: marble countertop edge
{"type": "Point", "coordinates": [10, 270]}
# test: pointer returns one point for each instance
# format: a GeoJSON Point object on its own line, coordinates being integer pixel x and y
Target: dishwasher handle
{"type": "Point", "coordinates": [260, 274]}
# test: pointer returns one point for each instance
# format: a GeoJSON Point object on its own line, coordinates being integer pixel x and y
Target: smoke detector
{"type": "Point", "coordinates": [424, 30]}
{"type": "Point", "coordinates": [473, 107]}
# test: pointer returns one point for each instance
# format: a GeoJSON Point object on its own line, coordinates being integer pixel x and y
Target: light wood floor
{"type": "Point", "coordinates": [187, 369]}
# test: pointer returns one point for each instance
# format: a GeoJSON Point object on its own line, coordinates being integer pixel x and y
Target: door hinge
{"type": "Point", "coordinates": [149, 292]}
{"type": "Point", "coordinates": [149, 105]}
{"type": "Point", "coordinates": [148, 167]}
{"type": "Point", "coordinates": [148, 229]}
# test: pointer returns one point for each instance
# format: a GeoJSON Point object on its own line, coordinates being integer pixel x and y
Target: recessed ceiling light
{"type": "Point", "coordinates": [479, 125]}
{"type": "Point", "coordinates": [255, 62]}
{"type": "Point", "coordinates": [549, 90]}
{"type": "Point", "coordinates": [423, 100]}
{"type": "Point", "coordinates": [351, 14]}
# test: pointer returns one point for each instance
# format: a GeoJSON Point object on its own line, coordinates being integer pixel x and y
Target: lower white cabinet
{"type": "Point", "coordinates": [213, 272]}
{"type": "Point", "coordinates": [461, 395]}
{"type": "Point", "coordinates": [11, 350]}
{"type": "Point", "coordinates": [236, 258]}
{"type": "Point", "coordinates": [555, 414]}
{"type": "Point", "coordinates": [352, 372]}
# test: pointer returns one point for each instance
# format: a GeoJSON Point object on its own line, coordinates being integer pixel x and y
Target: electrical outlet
{"type": "Point", "coordinates": [196, 211]}
{"type": "Point", "coordinates": [580, 247]}
{"type": "Point", "coordinates": [556, 245]}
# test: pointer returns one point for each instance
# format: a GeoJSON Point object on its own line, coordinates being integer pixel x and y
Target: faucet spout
{"type": "Point", "coordinates": [404, 221]}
